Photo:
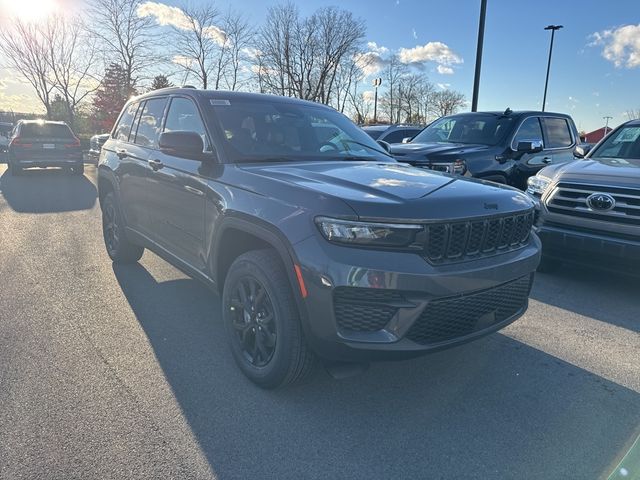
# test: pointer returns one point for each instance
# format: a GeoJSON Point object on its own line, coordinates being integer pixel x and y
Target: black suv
{"type": "Point", "coordinates": [392, 133]}
{"type": "Point", "coordinates": [506, 147]}
{"type": "Point", "coordinates": [39, 143]}
{"type": "Point", "coordinates": [320, 247]}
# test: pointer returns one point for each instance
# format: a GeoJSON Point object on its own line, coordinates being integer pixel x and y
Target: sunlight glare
{"type": "Point", "coordinates": [28, 10]}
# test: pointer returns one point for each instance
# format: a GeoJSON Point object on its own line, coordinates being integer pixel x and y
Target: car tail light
{"type": "Point", "coordinates": [76, 143]}
{"type": "Point", "coordinates": [17, 142]}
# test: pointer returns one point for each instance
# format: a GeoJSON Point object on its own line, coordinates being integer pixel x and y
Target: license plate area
{"type": "Point", "coordinates": [48, 146]}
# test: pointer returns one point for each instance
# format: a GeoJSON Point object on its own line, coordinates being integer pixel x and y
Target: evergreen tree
{"type": "Point", "coordinates": [160, 81]}
{"type": "Point", "coordinates": [110, 97]}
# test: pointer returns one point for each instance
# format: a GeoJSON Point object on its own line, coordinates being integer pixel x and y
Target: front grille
{"type": "Point", "coordinates": [458, 241]}
{"type": "Point", "coordinates": [450, 318]}
{"type": "Point", "coordinates": [571, 199]}
{"type": "Point", "coordinates": [364, 309]}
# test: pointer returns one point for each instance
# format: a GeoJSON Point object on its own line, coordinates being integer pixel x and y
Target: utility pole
{"type": "Point", "coordinates": [476, 78]}
{"type": "Point", "coordinates": [606, 127]}
{"type": "Point", "coordinates": [553, 29]}
{"type": "Point", "coordinates": [376, 83]}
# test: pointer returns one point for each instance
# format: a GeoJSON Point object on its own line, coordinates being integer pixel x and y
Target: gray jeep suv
{"type": "Point", "coordinates": [590, 209]}
{"type": "Point", "coordinates": [321, 246]}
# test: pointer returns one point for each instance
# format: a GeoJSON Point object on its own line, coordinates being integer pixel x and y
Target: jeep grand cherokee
{"type": "Point", "coordinates": [322, 246]}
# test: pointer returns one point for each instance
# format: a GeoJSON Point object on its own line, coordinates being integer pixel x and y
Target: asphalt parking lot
{"type": "Point", "coordinates": [124, 372]}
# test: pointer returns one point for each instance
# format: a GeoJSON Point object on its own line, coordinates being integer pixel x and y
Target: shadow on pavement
{"type": "Point", "coordinates": [47, 191]}
{"type": "Point", "coordinates": [495, 408]}
{"type": "Point", "coordinates": [603, 295]}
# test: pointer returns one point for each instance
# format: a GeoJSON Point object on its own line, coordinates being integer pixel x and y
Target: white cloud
{"type": "Point", "coordinates": [621, 46]}
{"type": "Point", "coordinates": [166, 15]}
{"type": "Point", "coordinates": [442, 70]}
{"type": "Point", "coordinates": [368, 95]}
{"type": "Point", "coordinates": [414, 33]}
{"type": "Point", "coordinates": [374, 47]}
{"type": "Point", "coordinates": [372, 61]}
{"type": "Point", "coordinates": [430, 52]}
{"type": "Point", "coordinates": [443, 86]}
{"type": "Point", "coordinates": [182, 61]}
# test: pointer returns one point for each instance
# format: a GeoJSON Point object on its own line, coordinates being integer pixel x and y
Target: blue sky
{"type": "Point", "coordinates": [583, 82]}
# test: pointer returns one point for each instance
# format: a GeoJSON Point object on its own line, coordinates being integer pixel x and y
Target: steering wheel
{"type": "Point", "coordinates": [332, 146]}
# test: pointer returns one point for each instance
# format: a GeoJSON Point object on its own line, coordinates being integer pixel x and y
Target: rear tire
{"type": "Point", "coordinates": [119, 248]}
{"type": "Point", "coordinates": [263, 323]}
{"type": "Point", "coordinates": [78, 169]}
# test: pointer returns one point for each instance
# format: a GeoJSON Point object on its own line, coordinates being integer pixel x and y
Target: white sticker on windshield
{"type": "Point", "coordinates": [217, 102]}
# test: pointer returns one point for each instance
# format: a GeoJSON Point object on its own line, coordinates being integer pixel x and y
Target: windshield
{"type": "Point", "coordinates": [259, 130]}
{"type": "Point", "coordinates": [623, 144]}
{"type": "Point", "coordinates": [467, 129]}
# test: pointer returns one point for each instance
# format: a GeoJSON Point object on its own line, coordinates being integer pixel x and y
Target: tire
{"type": "Point", "coordinates": [288, 360]}
{"type": "Point", "coordinates": [78, 169]}
{"type": "Point", "coordinates": [119, 248]}
{"type": "Point", "coordinates": [549, 265]}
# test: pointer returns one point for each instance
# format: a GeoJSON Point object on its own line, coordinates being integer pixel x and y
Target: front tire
{"type": "Point", "coordinates": [78, 169]}
{"type": "Point", "coordinates": [119, 248]}
{"type": "Point", "coordinates": [262, 321]}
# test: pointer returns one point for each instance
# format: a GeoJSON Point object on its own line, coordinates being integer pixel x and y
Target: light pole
{"type": "Point", "coordinates": [376, 83]}
{"type": "Point", "coordinates": [553, 29]}
{"type": "Point", "coordinates": [476, 78]}
{"type": "Point", "coordinates": [606, 126]}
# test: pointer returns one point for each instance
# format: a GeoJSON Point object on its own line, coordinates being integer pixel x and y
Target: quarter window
{"type": "Point", "coordinates": [558, 133]}
{"type": "Point", "coordinates": [529, 130]}
{"type": "Point", "coordinates": [150, 123]}
{"type": "Point", "coordinates": [184, 116]}
{"type": "Point", "coordinates": [124, 124]}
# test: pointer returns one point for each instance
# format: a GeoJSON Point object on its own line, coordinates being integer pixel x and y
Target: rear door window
{"type": "Point", "coordinates": [45, 130]}
{"type": "Point", "coordinates": [150, 123]}
{"type": "Point", "coordinates": [123, 128]}
{"type": "Point", "coordinates": [558, 133]}
{"type": "Point", "coordinates": [529, 130]}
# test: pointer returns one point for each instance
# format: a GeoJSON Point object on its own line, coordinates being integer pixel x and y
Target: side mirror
{"type": "Point", "coordinates": [581, 150]}
{"type": "Point", "coordinates": [406, 139]}
{"type": "Point", "coordinates": [385, 145]}
{"type": "Point", "coordinates": [530, 146]}
{"type": "Point", "coordinates": [181, 144]}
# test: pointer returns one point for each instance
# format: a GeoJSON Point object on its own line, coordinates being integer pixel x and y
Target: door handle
{"type": "Point", "coordinates": [155, 164]}
{"type": "Point", "coordinates": [193, 190]}
{"type": "Point", "coordinates": [546, 160]}
{"type": "Point", "coordinates": [122, 153]}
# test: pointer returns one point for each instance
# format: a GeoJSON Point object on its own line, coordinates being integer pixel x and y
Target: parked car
{"type": "Point", "coordinates": [5, 133]}
{"type": "Point", "coordinates": [392, 134]}
{"type": "Point", "coordinates": [39, 143]}
{"type": "Point", "coordinates": [319, 248]}
{"type": "Point", "coordinates": [95, 145]}
{"type": "Point", "coordinates": [590, 209]}
{"type": "Point", "coordinates": [504, 147]}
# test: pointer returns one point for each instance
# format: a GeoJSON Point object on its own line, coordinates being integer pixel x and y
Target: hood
{"type": "Point", "coordinates": [435, 149]}
{"type": "Point", "coordinates": [394, 191]}
{"type": "Point", "coordinates": [623, 172]}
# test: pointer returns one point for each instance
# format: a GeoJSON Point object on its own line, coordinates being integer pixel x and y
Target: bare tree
{"type": "Point", "coordinates": [239, 38]}
{"type": "Point", "coordinates": [25, 51]}
{"type": "Point", "coordinates": [633, 114]}
{"type": "Point", "coordinates": [70, 56]}
{"type": "Point", "coordinates": [391, 75]}
{"type": "Point", "coordinates": [446, 102]}
{"type": "Point", "coordinates": [125, 36]}
{"type": "Point", "coordinates": [301, 57]}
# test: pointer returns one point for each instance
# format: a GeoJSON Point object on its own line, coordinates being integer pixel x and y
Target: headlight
{"type": "Point", "coordinates": [537, 185]}
{"type": "Point", "coordinates": [365, 233]}
{"type": "Point", "coordinates": [458, 167]}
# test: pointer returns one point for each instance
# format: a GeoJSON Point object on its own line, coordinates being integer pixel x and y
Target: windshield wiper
{"type": "Point", "coordinates": [345, 142]}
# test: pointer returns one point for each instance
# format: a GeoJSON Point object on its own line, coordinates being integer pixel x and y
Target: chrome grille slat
{"type": "Point", "coordinates": [568, 199]}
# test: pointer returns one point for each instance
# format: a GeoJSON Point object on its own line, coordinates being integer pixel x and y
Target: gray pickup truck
{"type": "Point", "coordinates": [589, 210]}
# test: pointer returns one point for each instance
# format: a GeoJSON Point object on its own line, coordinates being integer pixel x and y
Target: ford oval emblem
{"type": "Point", "coordinates": [601, 201]}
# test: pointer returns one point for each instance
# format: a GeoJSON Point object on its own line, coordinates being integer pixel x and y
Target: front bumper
{"type": "Point", "coordinates": [365, 305]}
{"type": "Point", "coordinates": [590, 247]}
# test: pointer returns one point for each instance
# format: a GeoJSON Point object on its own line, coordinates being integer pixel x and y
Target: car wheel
{"type": "Point", "coordinates": [549, 265]}
{"type": "Point", "coordinates": [119, 248]}
{"type": "Point", "coordinates": [262, 321]}
{"type": "Point", "coordinates": [78, 169]}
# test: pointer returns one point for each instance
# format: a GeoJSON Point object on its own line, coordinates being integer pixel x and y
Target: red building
{"type": "Point", "coordinates": [596, 135]}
